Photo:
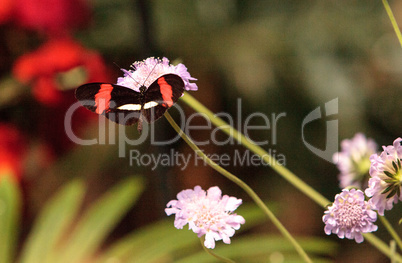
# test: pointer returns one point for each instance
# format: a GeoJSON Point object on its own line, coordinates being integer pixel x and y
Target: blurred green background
{"type": "Point", "coordinates": [277, 56]}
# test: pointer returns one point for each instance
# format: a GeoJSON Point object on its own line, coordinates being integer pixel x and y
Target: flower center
{"type": "Point", "coordinates": [208, 216]}
{"type": "Point", "coordinates": [364, 165]}
{"type": "Point", "coordinates": [398, 170]}
{"type": "Point", "coordinates": [349, 214]}
{"type": "Point", "coordinates": [360, 168]}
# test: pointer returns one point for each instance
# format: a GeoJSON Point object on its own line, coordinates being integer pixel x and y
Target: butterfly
{"type": "Point", "coordinates": [127, 106]}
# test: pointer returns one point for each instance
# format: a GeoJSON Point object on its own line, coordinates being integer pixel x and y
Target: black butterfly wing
{"type": "Point", "coordinates": [161, 95]}
{"type": "Point", "coordinates": [117, 103]}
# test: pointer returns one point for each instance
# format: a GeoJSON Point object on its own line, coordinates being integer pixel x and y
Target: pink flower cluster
{"type": "Point", "coordinates": [350, 215]}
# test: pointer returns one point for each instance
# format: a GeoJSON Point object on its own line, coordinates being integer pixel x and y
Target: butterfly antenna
{"type": "Point", "coordinates": [116, 65]}
{"type": "Point", "coordinates": [149, 74]}
{"type": "Point", "coordinates": [128, 74]}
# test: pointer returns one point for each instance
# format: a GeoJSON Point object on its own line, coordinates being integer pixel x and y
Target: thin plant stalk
{"type": "Point", "coordinates": [209, 251]}
{"type": "Point", "coordinates": [393, 20]}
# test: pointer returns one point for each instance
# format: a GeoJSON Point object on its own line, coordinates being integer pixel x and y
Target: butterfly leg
{"type": "Point", "coordinates": [139, 126]}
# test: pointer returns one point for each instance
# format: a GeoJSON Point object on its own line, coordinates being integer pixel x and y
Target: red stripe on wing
{"type": "Point", "coordinates": [166, 91]}
{"type": "Point", "coordinates": [102, 98]}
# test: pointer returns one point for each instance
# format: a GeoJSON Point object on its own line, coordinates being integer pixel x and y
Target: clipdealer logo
{"type": "Point", "coordinates": [179, 159]}
{"type": "Point", "coordinates": [107, 130]}
{"type": "Point", "coordinates": [332, 140]}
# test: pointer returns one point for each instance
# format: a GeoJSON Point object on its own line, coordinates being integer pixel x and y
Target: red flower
{"type": "Point", "coordinates": [52, 16]}
{"type": "Point", "coordinates": [12, 151]}
{"type": "Point", "coordinates": [57, 58]}
{"type": "Point", "coordinates": [6, 10]}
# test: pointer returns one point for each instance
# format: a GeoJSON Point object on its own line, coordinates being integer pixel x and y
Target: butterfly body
{"type": "Point", "coordinates": [127, 106]}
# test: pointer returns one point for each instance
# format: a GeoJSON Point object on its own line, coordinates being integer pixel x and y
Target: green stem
{"type": "Point", "coordinates": [242, 184]}
{"type": "Point", "coordinates": [393, 21]}
{"type": "Point", "coordinates": [391, 231]}
{"type": "Point", "coordinates": [209, 251]}
{"type": "Point", "coordinates": [392, 245]}
{"type": "Point", "coordinates": [281, 170]}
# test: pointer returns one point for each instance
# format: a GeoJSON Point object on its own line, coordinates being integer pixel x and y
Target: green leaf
{"type": "Point", "coordinates": [52, 222]}
{"type": "Point", "coordinates": [99, 220]}
{"type": "Point", "coordinates": [10, 213]}
{"type": "Point", "coordinates": [134, 243]}
{"type": "Point", "coordinates": [165, 244]}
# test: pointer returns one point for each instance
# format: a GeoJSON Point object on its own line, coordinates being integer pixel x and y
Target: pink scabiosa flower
{"type": "Point", "coordinates": [386, 177]}
{"type": "Point", "coordinates": [144, 73]}
{"type": "Point", "coordinates": [349, 216]}
{"type": "Point", "coordinates": [207, 213]}
{"type": "Point", "coordinates": [353, 161]}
